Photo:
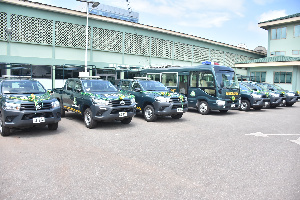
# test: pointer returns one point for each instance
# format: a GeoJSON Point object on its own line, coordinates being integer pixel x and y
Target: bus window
{"type": "Point", "coordinates": [193, 79]}
{"type": "Point", "coordinates": [169, 79]}
{"type": "Point", "coordinates": [207, 83]}
{"type": "Point", "coordinates": [154, 77]}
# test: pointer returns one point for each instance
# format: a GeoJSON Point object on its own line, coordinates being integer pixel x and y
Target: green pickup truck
{"type": "Point", "coordinates": [96, 100]}
{"type": "Point", "coordinates": [25, 104]}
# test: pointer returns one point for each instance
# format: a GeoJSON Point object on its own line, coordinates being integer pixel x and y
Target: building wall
{"type": "Point", "coordinates": [43, 37]}
{"type": "Point", "coordinates": [288, 44]}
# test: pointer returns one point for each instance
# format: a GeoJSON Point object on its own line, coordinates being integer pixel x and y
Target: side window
{"type": "Point", "coordinates": [206, 79]}
{"type": "Point", "coordinates": [193, 79]}
{"type": "Point", "coordinates": [169, 79]}
{"type": "Point", "coordinates": [78, 86]}
{"type": "Point", "coordinates": [125, 85]}
{"type": "Point", "coordinates": [136, 85]}
{"type": "Point", "coordinates": [70, 85]}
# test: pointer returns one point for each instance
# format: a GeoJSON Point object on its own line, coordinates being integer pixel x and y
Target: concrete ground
{"type": "Point", "coordinates": [234, 155]}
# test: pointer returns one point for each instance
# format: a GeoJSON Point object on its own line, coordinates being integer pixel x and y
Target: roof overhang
{"type": "Point", "coordinates": [268, 64]}
{"type": "Point", "coordinates": [122, 22]}
{"type": "Point", "coordinates": [266, 25]}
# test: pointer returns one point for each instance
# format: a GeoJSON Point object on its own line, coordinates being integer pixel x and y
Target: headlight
{"type": "Point", "coordinates": [256, 95]}
{"type": "Point", "coordinates": [101, 102]}
{"type": "Point", "coordinates": [220, 103]}
{"type": "Point", "coordinates": [274, 94]}
{"type": "Point", "coordinates": [290, 94]}
{"type": "Point", "coordinates": [162, 99]}
{"type": "Point", "coordinates": [185, 99]}
{"type": "Point", "coordinates": [55, 104]}
{"type": "Point", "coordinates": [132, 100]}
{"type": "Point", "coordinates": [11, 106]}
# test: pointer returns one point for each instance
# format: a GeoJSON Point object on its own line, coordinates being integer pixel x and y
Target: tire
{"type": "Point", "coordinates": [203, 108]}
{"type": "Point", "coordinates": [53, 127]}
{"type": "Point", "coordinates": [245, 105]}
{"type": "Point", "coordinates": [149, 114]}
{"type": "Point", "coordinates": [62, 111]}
{"type": "Point", "coordinates": [223, 111]}
{"type": "Point", "coordinates": [88, 120]}
{"type": "Point", "coordinates": [5, 131]}
{"type": "Point", "coordinates": [178, 116]}
{"type": "Point", "coordinates": [126, 120]}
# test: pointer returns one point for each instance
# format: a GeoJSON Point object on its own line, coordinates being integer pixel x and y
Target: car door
{"type": "Point", "coordinates": [136, 90]}
{"type": "Point", "coordinates": [68, 96]}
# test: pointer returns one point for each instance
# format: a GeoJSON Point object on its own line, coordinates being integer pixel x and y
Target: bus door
{"type": "Point", "coordinates": [183, 84]}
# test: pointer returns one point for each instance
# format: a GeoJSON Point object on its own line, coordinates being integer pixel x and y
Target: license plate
{"type": "Point", "coordinates": [37, 120]}
{"type": "Point", "coordinates": [122, 114]}
{"type": "Point", "coordinates": [232, 105]}
{"type": "Point", "coordinates": [179, 109]}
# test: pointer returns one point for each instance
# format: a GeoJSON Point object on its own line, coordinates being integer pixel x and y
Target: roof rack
{"type": "Point", "coordinates": [15, 77]}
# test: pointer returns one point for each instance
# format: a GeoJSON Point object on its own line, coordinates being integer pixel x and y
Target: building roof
{"type": "Point", "coordinates": [270, 61]}
{"type": "Point", "coordinates": [278, 21]}
{"type": "Point", "coordinates": [28, 3]}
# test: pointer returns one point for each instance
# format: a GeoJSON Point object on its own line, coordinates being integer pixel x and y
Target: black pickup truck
{"type": "Point", "coordinates": [154, 99]}
{"type": "Point", "coordinates": [25, 104]}
{"type": "Point", "coordinates": [96, 100]}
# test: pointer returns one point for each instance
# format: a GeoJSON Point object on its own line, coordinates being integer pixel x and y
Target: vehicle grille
{"type": "Point", "coordinates": [31, 106]}
{"type": "Point", "coordinates": [118, 103]}
{"type": "Point", "coordinates": [33, 115]}
{"type": "Point", "coordinates": [176, 100]}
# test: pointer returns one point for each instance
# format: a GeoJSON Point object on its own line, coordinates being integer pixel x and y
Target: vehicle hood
{"type": "Point", "coordinates": [109, 95]}
{"type": "Point", "coordinates": [27, 97]}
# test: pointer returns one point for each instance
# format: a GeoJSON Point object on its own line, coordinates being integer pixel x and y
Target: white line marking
{"type": "Point", "coordinates": [296, 141]}
{"type": "Point", "coordinates": [260, 134]}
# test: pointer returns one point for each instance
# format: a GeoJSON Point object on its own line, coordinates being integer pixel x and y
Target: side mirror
{"type": "Point", "coordinates": [137, 89]}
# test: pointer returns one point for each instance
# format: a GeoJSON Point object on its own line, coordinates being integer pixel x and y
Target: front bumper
{"type": "Point", "coordinates": [291, 99]}
{"type": "Point", "coordinates": [165, 109]}
{"type": "Point", "coordinates": [229, 105]}
{"type": "Point", "coordinates": [24, 119]}
{"type": "Point", "coordinates": [260, 102]}
{"type": "Point", "coordinates": [275, 101]}
{"type": "Point", "coordinates": [110, 113]}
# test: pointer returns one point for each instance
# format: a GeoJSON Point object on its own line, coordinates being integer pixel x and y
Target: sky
{"type": "Point", "coordinates": [232, 22]}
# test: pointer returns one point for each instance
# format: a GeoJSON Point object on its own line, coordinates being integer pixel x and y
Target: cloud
{"type": "Point", "coordinates": [272, 14]}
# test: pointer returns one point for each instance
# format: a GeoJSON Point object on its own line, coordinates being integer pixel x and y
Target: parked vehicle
{"type": "Point", "coordinates": [96, 100]}
{"type": "Point", "coordinates": [276, 98]}
{"type": "Point", "coordinates": [25, 104]}
{"type": "Point", "coordinates": [290, 96]}
{"type": "Point", "coordinates": [154, 99]}
{"type": "Point", "coordinates": [207, 87]}
{"type": "Point", "coordinates": [252, 98]}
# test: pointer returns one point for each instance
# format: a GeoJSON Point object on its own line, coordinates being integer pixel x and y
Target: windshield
{"type": "Point", "coordinates": [22, 87]}
{"type": "Point", "coordinates": [278, 87]}
{"type": "Point", "coordinates": [153, 86]}
{"type": "Point", "coordinates": [226, 80]}
{"type": "Point", "coordinates": [98, 86]}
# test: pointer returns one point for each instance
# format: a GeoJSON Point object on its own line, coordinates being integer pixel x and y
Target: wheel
{"type": "Point", "coordinates": [149, 114]}
{"type": "Point", "coordinates": [126, 120]}
{"type": "Point", "coordinates": [88, 120]}
{"type": "Point", "coordinates": [245, 105]}
{"type": "Point", "coordinates": [53, 126]}
{"type": "Point", "coordinates": [203, 108]}
{"type": "Point", "coordinates": [5, 131]}
{"type": "Point", "coordinates": [223, 111]}
{"type": "Point", "coordinates": [178, 116]}
{"type": "Point", "coordinates": [62, 111]}
{"type": "Point", "coordinates": [289, 104]}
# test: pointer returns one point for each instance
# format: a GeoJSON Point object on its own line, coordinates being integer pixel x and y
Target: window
{"type": "Point", "coordinates": [278, 53]}
{"type": "Point", "coordinates": [259, 77]}
{"type": "Point", "coordinates": [193, 79]}
{"type": "Point", "coordinates": [297, 31]}
{"type": "Point", "coordinates": [154, 77]}
{"type": "Point", "coordinates": [283, 77]}
{"type": "Point", "coordinates": [296, 52]}
{"type": "Point", "coordinates": [278, 33]}
{"type": "Point", "coordinates": [169, 79]}
{"type": "Point", "coordinates": [42, 71]}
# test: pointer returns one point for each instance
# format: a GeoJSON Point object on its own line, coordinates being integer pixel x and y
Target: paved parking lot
{"type": "Point", "coordinates": [234, 155]}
